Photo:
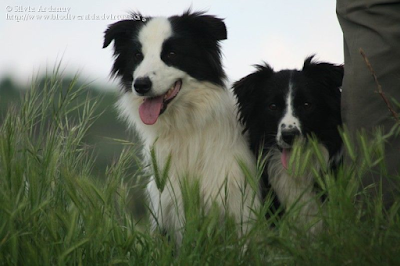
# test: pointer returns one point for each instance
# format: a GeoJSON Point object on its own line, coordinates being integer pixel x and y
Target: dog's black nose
{"type": "Point", "coordinates": [142, 85]}
{"type": "Point", "coordinates": [288, 135]}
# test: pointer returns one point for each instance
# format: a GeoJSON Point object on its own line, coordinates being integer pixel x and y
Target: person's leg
{"type": "Point", "coordinates": [374, 26]}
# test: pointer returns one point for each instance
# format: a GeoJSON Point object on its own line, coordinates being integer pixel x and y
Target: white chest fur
{"type": "Point", "coordinates": [201, 135]}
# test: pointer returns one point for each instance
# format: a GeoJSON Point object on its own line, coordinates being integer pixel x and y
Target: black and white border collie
{"type": "Point", "coordinates": [174, 96]}
{"type": "Point", "coordinates": [279, 107]}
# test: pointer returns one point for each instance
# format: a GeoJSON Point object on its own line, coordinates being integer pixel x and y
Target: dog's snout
{"type": "Point", "coordinates": [142, 85]}
{"type": "Point", "coordinates": [283, 126]}
{"type": "Point", "coordinates": [289, 135]}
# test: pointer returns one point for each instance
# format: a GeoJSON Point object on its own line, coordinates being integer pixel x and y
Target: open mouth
{"type": "Point", "coordinates": [153, 107]}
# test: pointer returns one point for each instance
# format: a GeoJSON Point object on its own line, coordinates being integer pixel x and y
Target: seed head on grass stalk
{"type": "Point", "coordinates": [160, 178]}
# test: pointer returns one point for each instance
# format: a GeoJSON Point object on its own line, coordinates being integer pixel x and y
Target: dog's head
{"type": "Point", "coordinates": [277, 107]}
{"type": "Point", "coordinates": [156, 57]}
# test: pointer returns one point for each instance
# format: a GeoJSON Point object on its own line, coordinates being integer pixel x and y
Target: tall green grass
{"type": "Point", "coordinates": [53, 211]}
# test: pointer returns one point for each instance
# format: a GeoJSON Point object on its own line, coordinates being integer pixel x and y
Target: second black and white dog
{"type": "Point", "coordinates": [277, 108]}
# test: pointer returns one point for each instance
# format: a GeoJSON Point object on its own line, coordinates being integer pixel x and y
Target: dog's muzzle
{"type": "Point", "coordinates": [288, 135]}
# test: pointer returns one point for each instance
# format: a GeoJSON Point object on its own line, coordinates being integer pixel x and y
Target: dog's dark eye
{"type": "Point", "coordinates": [307, 105]}
{"type": "Point", "coordinates": [272, 107]}
{"type": "Point", "coordinates": [171, 55]}
{"type": "Point", "coordinates": [139, 56]}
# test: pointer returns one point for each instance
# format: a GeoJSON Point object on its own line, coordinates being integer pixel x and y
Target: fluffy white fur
{"type": "Point", "coordinates": [296, 191]}
{"type": "Point", "coordinates": [201, 133]}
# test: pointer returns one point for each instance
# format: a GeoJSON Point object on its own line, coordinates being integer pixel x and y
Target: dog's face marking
{"type": "Point", "coordinates": [289, 127]}
{"type": "Point", "coordinates": [152, 66]}
{"type": "Point", "coordinates": [174, 47]}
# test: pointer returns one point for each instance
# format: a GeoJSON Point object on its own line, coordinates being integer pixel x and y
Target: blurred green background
{"type": "Point", "coordinates": [105, 139]}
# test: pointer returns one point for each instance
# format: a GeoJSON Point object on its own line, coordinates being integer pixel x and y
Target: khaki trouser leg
{"type": "Point", "coordinates": [374, 26]}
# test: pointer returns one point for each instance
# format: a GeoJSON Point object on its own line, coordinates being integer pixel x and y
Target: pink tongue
{"type": "Point", "coordinates": [150, 109]}
{"type": "Point", "coordinates": [285, 157]}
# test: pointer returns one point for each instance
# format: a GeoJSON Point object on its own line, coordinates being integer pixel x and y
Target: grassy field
{"type": "Point", "coordinates": [54, 210]}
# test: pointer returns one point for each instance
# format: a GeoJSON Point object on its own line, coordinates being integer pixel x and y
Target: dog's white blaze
{"type": "Point", "coordinates": [289, 120]}
{"type": "Point", "coordinates": [151, 37]}
{"type": "Point", "coordinates": [153, 34]}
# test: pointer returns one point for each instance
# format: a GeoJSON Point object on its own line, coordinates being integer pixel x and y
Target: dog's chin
{"type": "Point", "coordinates": [152, 107]}
{"type": "Point", "coordinates": [281, 145]}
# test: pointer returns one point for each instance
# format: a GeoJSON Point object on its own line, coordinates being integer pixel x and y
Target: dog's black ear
{"type": "Point", "coordinates": [328, 74]}
{"type": "Point", "coordinates": [248, 90]}
{"type": "Point", "coordinates": [216, 27]}
{"type": "Point", "coordinates": [210, 26]}
{"type": "Point", "coordinates": [247, 87]}
{"type": "Point", "coordinates": [121, 31]}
